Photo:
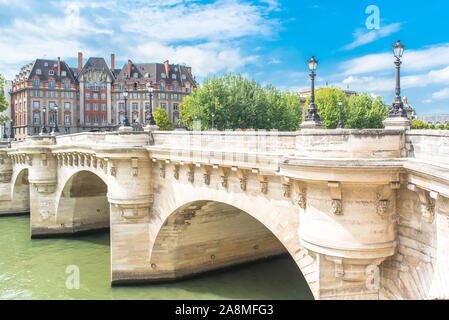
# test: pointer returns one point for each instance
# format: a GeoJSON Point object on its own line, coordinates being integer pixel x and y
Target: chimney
{"type": "Point", "coordinates": [80, 60]}
{"type": "Point", "coordinates": [59, 66]}
{"type": "Point", "coordinates": [129, 68]}
{"type": "Point", "coordinates": [112, 61]}
{"type": "Point", "coordinates": [167, 68]}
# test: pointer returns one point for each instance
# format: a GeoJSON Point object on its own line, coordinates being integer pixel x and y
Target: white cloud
{"type": "Point", "coordinates": [363, 37]}
{"type": "Point", "coordinates": [205, 59]}
{"type": "Point", "coordinates": [442, 94]}
{"type": "Point", "coordinates": [413, 60]}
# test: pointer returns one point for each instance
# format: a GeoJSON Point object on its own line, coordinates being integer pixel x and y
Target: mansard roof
{"type": "Point", "coordinates": [153, 72]}
{"type": "Point", "coordinates": [98, 64]}
{"type": "Point", "coordinates": [45, 66]}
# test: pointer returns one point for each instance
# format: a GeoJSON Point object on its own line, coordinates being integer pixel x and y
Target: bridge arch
{"type": "Point", "coordinates": [82, 203]}
{"type": "Point", "coordinates": [211, 229]}
{"type": "Point", "coordinates": [20, 191]}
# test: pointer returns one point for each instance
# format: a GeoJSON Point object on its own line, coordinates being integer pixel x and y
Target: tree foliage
{"type": "Point", "coordinates": [3, 102]}
{"type": "Point", "coordinates": [162, 120]}
{"type": "Point", "coordinates": [358, 111]}
{"type": "Point", "coordinates": [419, 124]}
{"type": "Point", "coordinates": [239, 103]}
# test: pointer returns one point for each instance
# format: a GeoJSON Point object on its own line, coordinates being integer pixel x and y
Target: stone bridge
{"type": "Point", "coordinates": [363, 213]}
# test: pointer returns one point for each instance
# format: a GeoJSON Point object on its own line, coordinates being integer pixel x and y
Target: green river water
{"type": "Point", "coordinates": [36, 269]}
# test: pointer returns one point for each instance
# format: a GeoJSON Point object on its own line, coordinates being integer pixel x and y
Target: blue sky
{"type": "Point", "coordinates": [268, 40]}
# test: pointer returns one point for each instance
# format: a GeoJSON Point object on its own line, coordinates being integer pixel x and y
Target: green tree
{"type": "Point", "coordinates": [358, 111]}
{"type": "Point", "coordinates": [3, 102]}
{"type": "Point", "coordinates": [162, 120]}
{"type": "Point", "coordinates": [239, 103]}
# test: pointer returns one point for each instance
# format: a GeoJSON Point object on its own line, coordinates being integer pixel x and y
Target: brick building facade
{"type": "Point", "coordinates": [90, 96]}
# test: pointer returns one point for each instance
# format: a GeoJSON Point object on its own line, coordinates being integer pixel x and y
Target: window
{"type": "Point", "coordinates": [63, 73]}
{"type": "Point", "coordinates": [134, 106]}
{"type": "Point", "coordinates": [175, 87]}
{"type": "Point", "coordinates": [39, 71]}
{"type": "Point", "coordinates": [122, 118]}
{"type": "Point", "coordinates": [96, 120]}
{"type": "Point", "coordinates": [175, 96]}
{"type": "Point", "coordinates": [122, 96]}
{"type": "Point", "coordinates": [163, 105]}
{"type": "Point", "coordinates": [36, 104]}
{"type": "Point", "coordinates": [162, 86]}
{"type": "Point", "coordinates": [95, 107]}
{"type": "Point", "coordinates": [95, 87]}
{"type": "Point", "coordinates": [67, 119]}
{"type": "Point", "coordinates": [88, 96]}
{"type": "Point", "coordinates": [135, 117]}
{"type": "Point", "coordinates": [135, 96]}
{"type": "Point", "coordinates": [103, 96]}
{"type": "Point", "coordinates": [122, 106]}
{"type": "Point", "coordinates": [103, 119]}
{"type": "Point", "coordinates": [67, 84]}
{"type": "Point", "coordinates": [184, 77]}
{"type": "Point", "coordinates": [95, 96]}
{"type": "Point", "coordinates": [173, 76]}
{"type": "Point", "coordinates": [135, 86]}
{"type": "Point", "coordinates": [87, 119]}
{"type": "Point", "coordinates": [52, 94]}
{"type": "Point", "coordinates": [37, 118]}
{"type": "Point", "coordinates": [187, 87]}
{"type": "Point", "coordinates": [67, 105]}
{"type": "Point", "coordinates": [175, 107]}
{"type": "Point", "coordinates": [103, 86]}
{"type": "Point", "coordinates": [88, 107]}
{"type": "Point", "coordinates": [147, 95]}
{"type": "Point", "coordinates": [147, 106]}
{"type": "Point", "coordinates": [136, 75]}
{"type": "Point", "coordinates": [36, 83]}
{"type": "Point", "coordinates": [103, 107]}
{"type": "Point", "coordinates": [52, 84]}
{"type": "Point", "coordinates": [36, 93]}
{"type": "Point", "coordinates": [52, 105]}
{"type": "Point", "coordinates": [87, 86]}
{"type": "Point", "coordinates": [122, 86]}
{"type": "Point", "coordinates": [67, 95]}
{"type": "Point", "coordinates": [51, 72]}
{"type": "Point", "coordinates": [162, 95]}
{"type": "Point", "coordinates": [46, 64]}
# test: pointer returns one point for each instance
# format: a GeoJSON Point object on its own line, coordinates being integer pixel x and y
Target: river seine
{"type": "Point", "coordinates": [36, 269]}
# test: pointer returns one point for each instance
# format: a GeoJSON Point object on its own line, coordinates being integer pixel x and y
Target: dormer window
{"type": "Point", "coordinates": [46, 64]}
{"type": "Point", "coordinates": [136, 75]}
{"type": "Point", "coordinates": [163, 75]}
{"type": "Point", "coordinates": [51, 72]}
{"type": "Point", "coordinates": [184, 77]}
{"type": "Point", "coordinates": [39, 71]}
{"type": "Point", "coordinates": [147, 75]}
{"type": "Point", "coordinates": [63, 73]}
{"type": "Point", "coordinates": [55, 65]}
{"type": "Point", "coordinates": [173, 76]}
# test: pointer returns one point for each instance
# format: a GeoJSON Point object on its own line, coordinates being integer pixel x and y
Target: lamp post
{"type": "Point", "coordinates": [397, 108]}
{"type": "Point", "coordinates": [312, 119]}
{"type": "Point", "coordinates": [11, 128]}
{"type": "Point", "coordinates": [43, 128]}
{"type": "Point", "coordinates": [340, 124]}
{"type": "Point", "coordinates": [397, 115]}
{"type": "Point", "coordinates": [56, 129]}
{"type": "Point", "coordinates": [126, 121]}
{"type": "Point", "coordinates": [5, 136]}
{"type": "Point", "coordinates": [213, 116]}
{"type": "Point", "coordinates": [150, 118]}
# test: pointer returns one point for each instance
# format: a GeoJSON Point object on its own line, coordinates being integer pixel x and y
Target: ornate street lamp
{"type": "Point", "coordinates": [150, 118]}
{"type": "Point", "coordinates": [126, 122]}
{"type": "Point", "coordinates": [340, 124]}
{"type": "Point", "coordinates": [312, 119]}
{"type": "Point", "coordinates": [56, 129]}
{"type": "Point", "coordinates": [397, 108]}
{"type": "Point", "coordinates": [5, 136]}
{"type": "Point", "coordinates": [213, 116]}
{"type": "Point", "coordinates": [43, 128]}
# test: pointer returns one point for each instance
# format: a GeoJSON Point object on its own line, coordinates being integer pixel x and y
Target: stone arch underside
{"type": "Point", "coordinates": [20, 193]}
{"type": "Point", "coordinates": [83, 204]}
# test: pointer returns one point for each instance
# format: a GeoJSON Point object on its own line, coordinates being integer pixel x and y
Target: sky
{"type": "Point", "coordinates": [266, 40]}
